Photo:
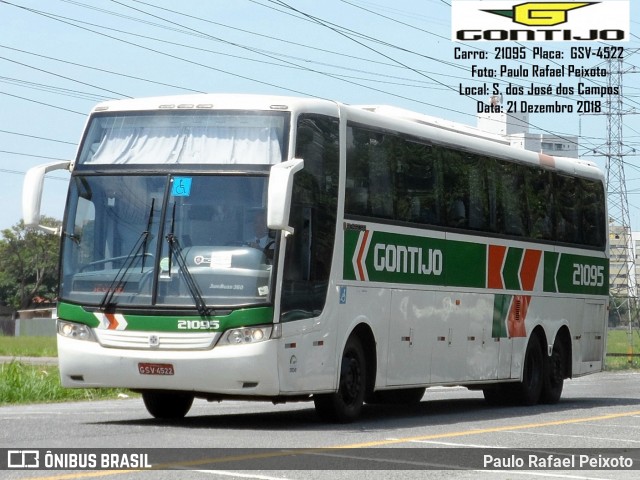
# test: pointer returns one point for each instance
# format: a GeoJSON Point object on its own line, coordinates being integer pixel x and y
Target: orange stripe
{"type": "Point", "coordinates": [496, 259]}
{"type": "Point", "coordinates": [113, 323]}
{"type": "Point", "coordinates": [517, 316]}
{"type": "Point", "coordinates": [529, 269]}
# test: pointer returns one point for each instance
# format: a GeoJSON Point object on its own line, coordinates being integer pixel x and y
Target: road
{"type": "Point", "coordinates": [596, 412]}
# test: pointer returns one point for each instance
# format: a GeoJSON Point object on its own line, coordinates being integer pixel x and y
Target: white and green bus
{"type": "Point", "coordinates": [289, 249]}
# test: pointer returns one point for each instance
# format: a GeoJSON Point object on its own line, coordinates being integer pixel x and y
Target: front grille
{"type": "Point", "coordinates": [156, 340]}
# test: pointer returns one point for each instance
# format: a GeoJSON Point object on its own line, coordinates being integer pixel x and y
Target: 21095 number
{"type": "Point", "coordinates": [198, 324]}
{"type": "Point", "coordinates": [588, 275]}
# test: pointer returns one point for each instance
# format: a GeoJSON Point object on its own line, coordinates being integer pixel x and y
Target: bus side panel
{"type": "Point", "coordinates": [306, 356]}
{"type": "Point", "coordinates": [370, 306]}
{"type": "Point", "coordinates": [411, 339]}
{"type": "Point", "coordinates": [442, 337]}
{"type": "Point", "coordinates": [590, 345]}
{"type": "Point", "coordinates": [311, 350]}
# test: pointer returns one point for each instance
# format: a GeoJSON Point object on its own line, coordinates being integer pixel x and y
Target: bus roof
{"type": "Point", "coordinates": [419, 124]}
{"type": "Point", "coordinates": [217, 101]}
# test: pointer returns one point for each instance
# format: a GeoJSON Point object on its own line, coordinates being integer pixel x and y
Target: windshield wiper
{"type": "Point", "coordinates": [119, 281]}
{"type": "Point", "coordinates": [176, 251]}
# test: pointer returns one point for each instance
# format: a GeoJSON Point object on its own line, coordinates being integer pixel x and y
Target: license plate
{"type": "Point", "coordinates": [155, 369]}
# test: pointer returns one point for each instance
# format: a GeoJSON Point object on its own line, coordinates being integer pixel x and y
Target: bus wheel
{"type": "Point", "coordinates": [554, 374]}
{"type": "Point", "coordinates": [403, 396]}
{"type": "Point", "coordinates": [528, 391]}
{"type": "Point", "coordinates": [167, 405]}
{"type": "Point", "coordinates": [496, 395]}
{"type": "Point", "coordinates": [345, 405]}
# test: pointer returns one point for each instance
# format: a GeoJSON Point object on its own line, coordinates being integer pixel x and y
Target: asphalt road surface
{"type": "Point", "coordinates": [452, 433]}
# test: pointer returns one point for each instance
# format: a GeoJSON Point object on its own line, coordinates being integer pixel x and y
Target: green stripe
{"type": "Point", "coordinates": [501, 305]}
{"type": "Point", "coordinates": [511, 269]}
{"type": "Point", "coordinates": [580, 274]}
{"type": "Point", "coordinates": [550, 262]}
{"type": "Point", "coordinates": [169, 323]}
{"type": "Point", "coordinates": [395, 258]}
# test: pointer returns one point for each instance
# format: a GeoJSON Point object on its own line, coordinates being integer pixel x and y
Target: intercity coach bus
{"type": "Point", "coordinates": [288, 249]}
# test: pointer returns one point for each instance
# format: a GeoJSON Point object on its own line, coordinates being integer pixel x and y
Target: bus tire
{"type": "Point", "coordinates": [496, 395]}
{"type": "Point", "coordinates": [345, 405]}
{"type": "Point", "coordinates": [167, 405]}
{"type": "Point", "coordinates": [529, 390]}
{"type": "Point", "coordinates": [555, 368]}
{"type": "Point", "coordinates": [403, 396]}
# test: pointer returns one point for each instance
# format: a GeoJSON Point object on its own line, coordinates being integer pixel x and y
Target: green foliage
{"type": "Point", "coordinates": [20, 383]}
{"type": "Point", "coordinates": [28, 264]}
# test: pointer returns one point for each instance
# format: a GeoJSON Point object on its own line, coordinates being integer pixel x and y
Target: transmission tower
{"type": "Point", "coordinates": [622, 259]}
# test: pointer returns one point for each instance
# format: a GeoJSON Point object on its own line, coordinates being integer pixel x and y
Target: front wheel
{"type": "Point", "coordinates": [345, 405]}
{"type": "Point", "coordinates": [403, 396]}
{"type": "Point", "coordinates": [167, 405]}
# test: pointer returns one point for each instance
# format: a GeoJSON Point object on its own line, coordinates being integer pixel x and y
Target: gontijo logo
{"type": "Point", "coordinates": [538, 21]}
{"type": "Point", "coordinates": [541, 14]}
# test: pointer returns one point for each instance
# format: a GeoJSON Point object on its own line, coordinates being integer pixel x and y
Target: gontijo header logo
{"type": "Point", "coordinates": [540, 21]}
{"type": "Point", "coordinates": [541, 14]}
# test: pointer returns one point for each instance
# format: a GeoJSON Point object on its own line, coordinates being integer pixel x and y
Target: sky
{"type": "Point", "coordinates": [59, 58]}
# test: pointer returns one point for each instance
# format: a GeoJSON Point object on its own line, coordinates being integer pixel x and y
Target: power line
{"type": "Point", "coordinates": [97, 69]}
{"type": "Point", "coordinates": [175, 57]}
{"type": "Point", "coordinates": [61, 76]}
{"type": "Point", "coordinates": [37, 137]}
{"type": "Point", "coordinates": [330, 26]}
{"type": "Point", "coordinates": [336, 76]}
{"type": "Point", "coordinates": [17, 172]}
{"type": "Point", "coordinates": [55, 90]}
{"type": "Point", "coordinates": [6, 152]}
{"type": "Point", "coordinates": [43, 103]}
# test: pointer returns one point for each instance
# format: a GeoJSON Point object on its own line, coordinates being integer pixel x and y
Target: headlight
{"type": "Point", "coordinates": [241, 336]}
{"type": "Point", "coordinates": [77, 331]}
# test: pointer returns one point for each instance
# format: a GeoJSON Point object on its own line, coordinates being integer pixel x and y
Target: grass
{"type": "Point", "coordinates": [28, 346]}
{"type": "Point", "coordinates": [21, 383]}
{"type": "Point", "coordinates": [619, 341]}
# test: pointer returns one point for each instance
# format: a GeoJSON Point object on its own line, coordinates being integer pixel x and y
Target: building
{"type": "Point", "coordinates": [622, 280]}
{"type": "Point", "coordinates": [515, 128]}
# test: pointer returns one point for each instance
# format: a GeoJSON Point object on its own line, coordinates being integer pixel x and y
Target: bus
{"type": "Point", "coordinates": [299, 249]}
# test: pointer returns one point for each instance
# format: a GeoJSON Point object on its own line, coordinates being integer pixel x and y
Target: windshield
{"type": "Point", "coordinates": [167, 240]}
{"type": "Point", "coordinates": [189, 137]}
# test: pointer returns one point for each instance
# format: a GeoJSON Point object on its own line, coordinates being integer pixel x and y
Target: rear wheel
{"type": "Point", "coordinates": [167, 405]}
{"type": "Point", "coordinates": [554, 374]}
{"type": "Point", "coordinates": [527, 392]}
{"type": "Point", "coordinates": [345, 405]}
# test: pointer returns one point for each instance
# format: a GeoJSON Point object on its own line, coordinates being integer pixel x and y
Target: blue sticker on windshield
{"type": "Point", "coordinates": [181, 186]}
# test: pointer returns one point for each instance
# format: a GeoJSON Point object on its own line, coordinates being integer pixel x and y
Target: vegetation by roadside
{"type": "Point", "coordinates": [28, 347]}
{"type": "Point", "coordinates": [21, 383]}
{"type": "Point", "coordinates": [625, 342]}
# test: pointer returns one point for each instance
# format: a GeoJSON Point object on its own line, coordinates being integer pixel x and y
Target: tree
{"type": "Point", "coordinates": [28, 264]}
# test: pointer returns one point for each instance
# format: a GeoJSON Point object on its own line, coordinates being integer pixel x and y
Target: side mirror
{"type": "Point", "coordinates": [32, 194]}
{"type": "Point", "coordinates": [279, 194]}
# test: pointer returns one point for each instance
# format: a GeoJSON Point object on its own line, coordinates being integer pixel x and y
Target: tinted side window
{"type": "Point", "coordinates": [313, 215]}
